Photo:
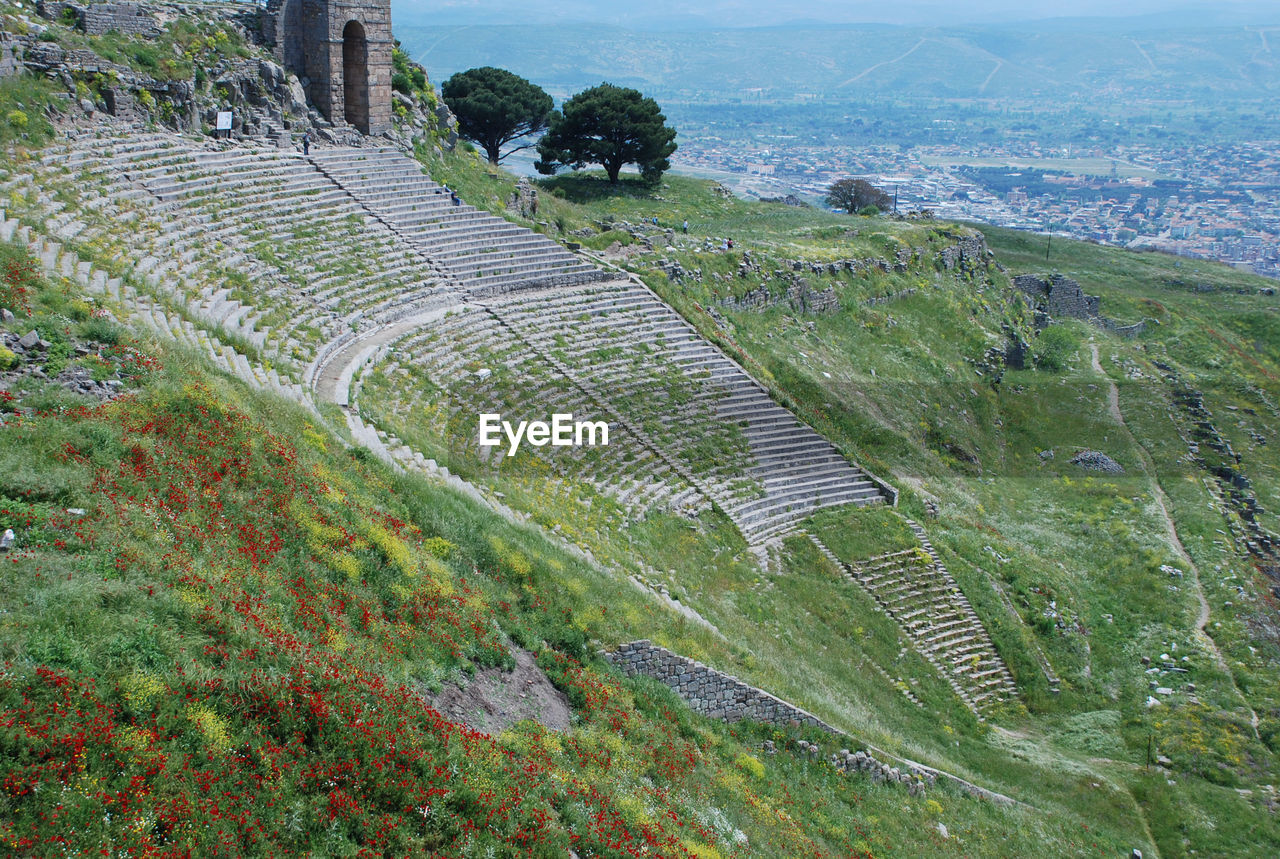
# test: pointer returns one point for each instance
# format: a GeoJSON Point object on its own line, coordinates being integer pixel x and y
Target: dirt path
{"type": "Point", "coordinates": [1202, 618]}
{"type": "Point", "coordinates": [862, 74]}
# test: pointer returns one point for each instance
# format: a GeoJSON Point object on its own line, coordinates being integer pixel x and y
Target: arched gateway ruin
{"type": "Point", "coordinates": [341, 50]}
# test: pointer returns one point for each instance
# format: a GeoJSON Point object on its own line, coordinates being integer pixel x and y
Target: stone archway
{"type": "Point", "coordinates": [355, 76]}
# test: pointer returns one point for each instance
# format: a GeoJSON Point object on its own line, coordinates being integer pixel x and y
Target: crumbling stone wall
{"type": "Point", "coordinates": [524, 199]}
{"type": "Point", "coordinates": [125, 18]}
{"type": "Point", "coordinates": [1128, 332]}
{"type": "Point", "coordinates": [10, 58]}
{"type": "Point", "coordinates": [969, 253]}
{"type": "Point", "coordinates": [96, 19]}
{"type": "Point", "coordinates": [799, 295]}
{"type": "Point", "coordinates": [1059, 296]}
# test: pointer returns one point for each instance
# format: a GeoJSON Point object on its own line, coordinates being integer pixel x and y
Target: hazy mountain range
{"type": "Point", "coordinates": [670, 14]}
{"type": "Point", "coordinates": [1036, 61]}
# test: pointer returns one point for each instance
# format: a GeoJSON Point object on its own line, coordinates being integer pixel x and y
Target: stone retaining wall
{"type": "Point", "coordinates": [707, 691]}
{"type": "Point", "coordinates": [10, 58]}
{"type": "Point", "coordinates": [97, 19]}
{"type": "Point", "coordinates": [720, 696]}
{"type": "Point", "coordinates": [1129, 332]}
{"type": "Point", "coordinates": [100, 18]}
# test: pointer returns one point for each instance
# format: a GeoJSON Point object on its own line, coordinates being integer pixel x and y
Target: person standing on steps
{"type": "Point", "coordinates": [685, 226]}
{"type": "Point", "coordinates": [306, 143]}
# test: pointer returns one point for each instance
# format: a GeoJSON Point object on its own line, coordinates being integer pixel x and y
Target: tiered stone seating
{"type": "Point", "coordinates": [470, 363]}
{"type": "Point", "coordinates": [301, 257]}
{"type": "Point", "coordinates": [627, 349]}
{"type": "Point", "coordinates": [768, 470]}
{"type": "Point", "coordinates": [916, 590]}
{"type": "Point", "coordinates": [143, 311]}
{"type": "Point", "coordinates": [486, 253]}
{"type": "Point", "coordinates": [251, 241]}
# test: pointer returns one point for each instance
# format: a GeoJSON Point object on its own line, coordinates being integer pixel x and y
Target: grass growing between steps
{"type": "Point", "coordinates": [225, 653]}
{"type": "Point", "coordinates": [896, 384]}
{"type": "Point", "coordinates": [1067, 570]}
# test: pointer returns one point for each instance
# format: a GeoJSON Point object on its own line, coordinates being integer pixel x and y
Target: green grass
{"type": "Point", "coordinates": [24, 101]}
{"type": "Point", "coordinates": [229, 542]}
{"type": "Point", "coordinates": [855, 535]}
{"type": "Point", "coordinates": [1062, 565]}
{"type": "Point", "coordinates": [1080, 559]}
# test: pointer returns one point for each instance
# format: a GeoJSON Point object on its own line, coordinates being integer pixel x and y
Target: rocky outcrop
{"type": "Point", "coordinates": [799, 295]}
{"type": "Point", "coordinates": [266, 101]}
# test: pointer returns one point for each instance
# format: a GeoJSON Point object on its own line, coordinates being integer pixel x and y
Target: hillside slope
{"type": "Point", "coordinates": [237, 597]}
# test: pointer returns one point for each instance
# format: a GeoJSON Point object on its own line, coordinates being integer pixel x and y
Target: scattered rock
{"type": "Point", "coordinates": [30, 339]}
{"type": "Point", "coordinates": [1092, 460]}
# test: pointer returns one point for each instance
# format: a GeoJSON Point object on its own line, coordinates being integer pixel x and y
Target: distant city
{"type": "Point", "coordinates": [1148, 134]}
{"type": "Point", "coordinates": [1211, 202]}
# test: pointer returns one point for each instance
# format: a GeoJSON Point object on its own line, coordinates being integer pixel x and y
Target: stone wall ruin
{"type": "Point", "coordinates": [1060, 296]}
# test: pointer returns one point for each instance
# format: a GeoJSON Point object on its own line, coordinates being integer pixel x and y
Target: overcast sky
{"type": "Point", "coordinates": [756, 13]}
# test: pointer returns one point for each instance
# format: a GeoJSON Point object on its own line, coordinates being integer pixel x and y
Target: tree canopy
{"type": "Point", "coordinates": [610, 126]}
{"type": "Point", "coordinates": [854, 195]}
{"type": "Point", "coordinates": [495, 107]}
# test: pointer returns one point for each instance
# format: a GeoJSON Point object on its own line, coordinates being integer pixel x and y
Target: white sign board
{"type": "Point", "coordinates": [224, 120]}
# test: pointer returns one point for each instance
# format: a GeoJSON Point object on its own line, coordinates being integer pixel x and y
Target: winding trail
{"type": "Point", "coordinates": [1202, 618]}
{"type": "Point", "coordinates": [985, 83]}
{"type": "Point", "coordinates": [862, 74]}
{"type": "Point", "coordinates": [1145, 55]}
